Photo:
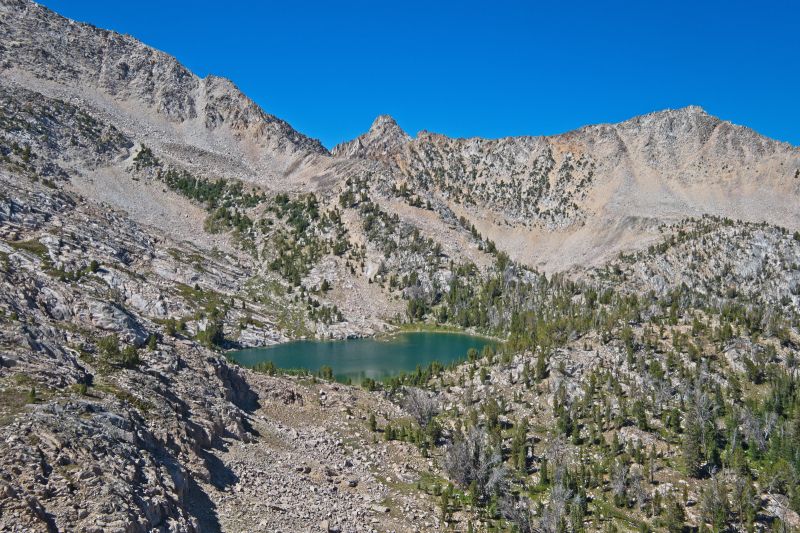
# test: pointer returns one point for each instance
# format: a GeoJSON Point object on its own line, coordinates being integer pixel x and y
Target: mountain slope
{"type": "Point", "coordinates": [599, 184]}
{"type": "Point", "coordinates": [147, 92]}
{"type": "Point", "coordinates": [150, 220]}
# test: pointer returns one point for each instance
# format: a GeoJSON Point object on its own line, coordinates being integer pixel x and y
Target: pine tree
{"type": "Point", "coordinates": [519, 446]}
{"type": "Point", "coordinates": [675, 516]}
{"type": "Point", "coordinates": [714, 506]}
{"type": "Point", "coordinates": [616, 446]}
{"type": "Point", "coordinates": [541, 365]}
{"type": "Point", "coordinates": [692, 450]}
{"type": "Point", "coordinates": [544, 478]}
{"type": "Point", "coordinates": [651, 470]}
{"type": "Point", "coordinates": [445, 503]}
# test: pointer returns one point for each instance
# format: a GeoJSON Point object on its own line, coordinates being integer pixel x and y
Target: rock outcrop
{"type": "Point", "coordinates": [151, 219]}
{"type": "Point", "coordinates": [549, 201]}
{"type": "Point", "coordinates": [384, 138]}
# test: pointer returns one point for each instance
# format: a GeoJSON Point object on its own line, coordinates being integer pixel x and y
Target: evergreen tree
{"type": "Point", "coordinates": [692, 450]}
{"type": "Point", "coordinates": [541, 365]}
{"type": "Point", "coordinates": [519, 446]}
{"type": "Point", "coordinates": [675, 516]}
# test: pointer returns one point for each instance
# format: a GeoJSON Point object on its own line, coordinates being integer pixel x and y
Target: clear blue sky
{"type": "Point", "coordinates": [486, 69]}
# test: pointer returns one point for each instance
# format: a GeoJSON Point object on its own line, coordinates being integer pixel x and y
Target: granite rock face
{"type": "Point", "coordinates": [150, 219]}
{"type": "Point", "coordinates": [585, 195]}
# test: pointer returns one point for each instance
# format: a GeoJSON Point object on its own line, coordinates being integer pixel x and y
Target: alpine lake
{"type": "Point", "coordinates": [375, 358]}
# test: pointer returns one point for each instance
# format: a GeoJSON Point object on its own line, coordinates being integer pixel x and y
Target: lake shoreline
{"type": "Point", "coordinates": [435, 328]}
{"type": "Point", "coordinates": [376, 358]}
{"type": "Point", "coordinates": [398, 330]}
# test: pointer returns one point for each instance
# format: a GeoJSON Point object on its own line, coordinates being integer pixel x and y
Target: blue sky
{"type": "Point", "coordinates": [486, 69]}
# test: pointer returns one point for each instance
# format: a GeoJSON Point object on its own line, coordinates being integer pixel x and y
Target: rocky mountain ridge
{"type": "Point", "coordinates": [384, 137]}
{"type": "Point", "coordinates": [564, 189]}
{"type": "Point", "coordinates": [144, 89]}
{"type": "Point", "coordinates": [151, 220]}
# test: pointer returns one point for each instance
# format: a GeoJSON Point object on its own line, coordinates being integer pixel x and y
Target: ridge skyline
{"type": "Point", "coordinates": [329, 111]}
{"type": "Point", "coordinates": [637, 280]}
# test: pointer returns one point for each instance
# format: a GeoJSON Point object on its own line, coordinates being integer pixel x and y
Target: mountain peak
{"type": "Point", "coordinates": [125, 70]}
{"type": "Point", "coordinates": [385, 127]}
{"type": "Point", "coordinates": [384, 136]}
{"type": "Point", "coordinates": [689, 112]}
{"type": "Point", "coordinates": [689, 123]}
{"type": "Point", "coordinates": [383, 121]}
{"type": "Point", "coordinates": [692, 110]}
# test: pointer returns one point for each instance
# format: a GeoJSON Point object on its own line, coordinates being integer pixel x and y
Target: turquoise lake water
{"type": "Point", "coordinates": [366, 358]}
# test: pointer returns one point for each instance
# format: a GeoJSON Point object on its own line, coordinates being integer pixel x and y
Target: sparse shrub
{"type": "Point", "coordinates": [326, 372]}
{"type": "Point", "coordinates": [420, 406]}
{"type": "Point", "coordinates": [129, 357]}
{"type": "Point", "coordinates": [471, 459]}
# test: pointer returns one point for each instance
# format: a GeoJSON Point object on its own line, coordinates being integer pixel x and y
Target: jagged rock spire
{"type": "Point", "coordinates": [384, 137]}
